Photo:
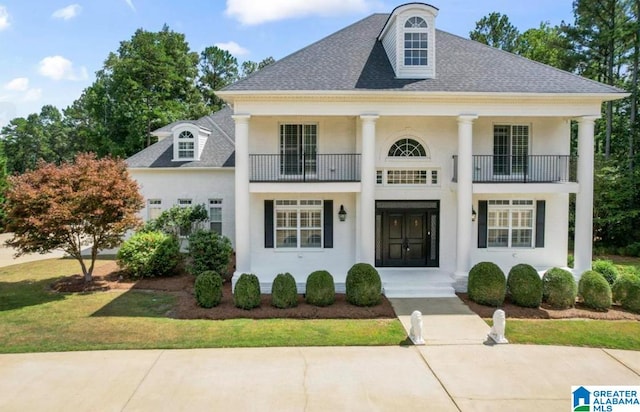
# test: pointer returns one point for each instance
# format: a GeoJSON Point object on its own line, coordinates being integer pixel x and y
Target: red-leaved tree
{"type": "Point", "coordinates": [88, 203]}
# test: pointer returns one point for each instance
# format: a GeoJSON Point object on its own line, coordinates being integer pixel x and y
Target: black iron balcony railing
{"type": "Point", "coordinates": [521, 169]}
{"type": "Point", "coordinates": [304, 168]}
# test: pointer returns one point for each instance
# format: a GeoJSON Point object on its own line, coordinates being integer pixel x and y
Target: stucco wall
{"type": "Point", "coordinates": [169, 185]}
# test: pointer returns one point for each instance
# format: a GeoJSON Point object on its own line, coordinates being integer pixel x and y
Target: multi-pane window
{"type": "Point", "coordinates": [407, 148]}
{"type": "Point", "coordinates": [186, 145]}
{"type": "Point", "coordinates": [510, 149]}
{"type": "Point", "coordinates": [154, 208]}
{"type": "Point", "coordinates": [298, 148]}
{"type": "Point", "coordinates": [415, 42]}
{"type": "Point", "coordinates": [184, 202]}
{"type": "Point", "coordinates": [510, 223]}
{"type": "Point", "coordinates": [215, 215]}
{"type": "Point", "coordinates": [298, 224]}
{"type": "Point", "coordinates": [423, 177]}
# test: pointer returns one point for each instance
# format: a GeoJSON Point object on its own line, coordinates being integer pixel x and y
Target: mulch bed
{"type": "Point", "coordinates": [545, 312]}
{"type": "Point", "coordinates": [108, 277]}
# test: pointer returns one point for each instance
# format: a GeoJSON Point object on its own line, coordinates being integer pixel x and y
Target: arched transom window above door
{"type": "Point", "coordinates": [408, 147]}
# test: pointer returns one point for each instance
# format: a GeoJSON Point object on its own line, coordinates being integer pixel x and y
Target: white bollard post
{"type": "Point", "coordinates": [499, 325]}
{"type": "Point", "coordinates": [415, 334]}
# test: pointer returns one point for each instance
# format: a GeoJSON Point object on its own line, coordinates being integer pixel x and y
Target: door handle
{"type": "Point", "coordinates": [405, 244]}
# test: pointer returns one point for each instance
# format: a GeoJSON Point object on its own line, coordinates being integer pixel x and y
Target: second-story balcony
{"type": "Point", "coordinates": [304, 168]}
{"type": "Point", "coordinates": [521, 169]}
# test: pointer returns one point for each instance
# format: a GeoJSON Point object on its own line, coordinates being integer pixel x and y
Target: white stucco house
{"type": "Point", "coordinates": [393, 143]}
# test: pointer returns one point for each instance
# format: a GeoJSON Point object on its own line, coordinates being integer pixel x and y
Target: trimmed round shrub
{"type": "Point", "coordinates": [559, 289]}
{"type": "Point", "coordinates": [320, 290]}
{"type": "Point", "coordinates": [621, 286]}
{"type": "Point", "coordinates": [594, 290]}
{"type": "Point", "coordinates": [149, 254]}
{"type": "Point", "coordinates": [487, 284]}
{"type": "Point", "coordinates": [208, 288]}
{"type": "Point", "coordinates": [631, 301]}
{"type": "Point", "coordinates": [524, 286]}
{"type": "Point", "coordinates": [363, 284]}
{"type": "Point", "coordinates": [607, 269]}
{"type": "Point", "coordinates": [246, 293]}
{"type": "Point", "coordinates": [209, 251]}
{"type": "Point", "coordinates": [284, 292]}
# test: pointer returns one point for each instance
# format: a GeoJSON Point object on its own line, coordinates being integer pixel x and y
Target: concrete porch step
{"type": "Point", "coordinates": [419, 292]}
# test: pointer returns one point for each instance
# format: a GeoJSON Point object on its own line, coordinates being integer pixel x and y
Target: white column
{"type": "Point", "coordinates": [243, 216]}
{"type": "Point", "coordinates": [464, 229]}
{"type": "Point", "coordinates": [367, 208]}
{"type": "Point", "coordinates": [583, 246]}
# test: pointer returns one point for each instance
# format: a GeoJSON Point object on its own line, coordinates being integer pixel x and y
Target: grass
{"type": "Point", "coordinates": [35, 319]}
{"type": "Point", "coordinates": [577, 332]}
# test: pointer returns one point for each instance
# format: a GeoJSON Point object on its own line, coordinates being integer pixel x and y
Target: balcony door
{"type": "Point", "coordinates": [298, 149]}
{"type": "Point", "coordinates": [510, 150]}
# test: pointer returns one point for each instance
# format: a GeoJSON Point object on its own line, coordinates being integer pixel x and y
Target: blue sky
{"type": "Point", "coordinates": [50, 49]}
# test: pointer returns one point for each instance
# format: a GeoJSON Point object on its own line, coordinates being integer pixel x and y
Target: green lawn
{"type": "Point", "coordinates": [34, 319]}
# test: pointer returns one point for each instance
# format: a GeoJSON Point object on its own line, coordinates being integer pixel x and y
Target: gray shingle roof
{"type": "Point", "coordinates": [353, 60]}
{"type": "Point", "coordinates": [219, 151]}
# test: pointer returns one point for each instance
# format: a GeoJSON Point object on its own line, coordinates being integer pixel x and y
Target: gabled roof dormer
{"type": "Point", "coordinates": [409, 38]}
{"type": "Point", "coordinates": [188, 141]}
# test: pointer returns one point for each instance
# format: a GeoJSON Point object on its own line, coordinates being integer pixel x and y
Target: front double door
{"type": "Point", "coordinates": [408, 237]}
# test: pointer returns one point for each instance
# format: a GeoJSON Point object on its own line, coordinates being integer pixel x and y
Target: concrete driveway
{"type": "Point", "coordinates": [7, 254]}
{"type": "Point", "coordinates": [429, 378]}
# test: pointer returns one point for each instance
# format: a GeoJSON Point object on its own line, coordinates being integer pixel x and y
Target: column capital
{"type": "Point", "coordinates": [241, 117]}
{"type": "Point", "coordinates": [588, 119]}
{"type": "Point", "coordinates": [369, 117]}
{"type": "Point", "coordinates": [467, 118]}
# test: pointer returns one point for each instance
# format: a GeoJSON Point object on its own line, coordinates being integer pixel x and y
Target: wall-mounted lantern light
{"type": "Point", "coordinates": [473, 214]}
{"type": "Point", "coordinates": [342, 214]}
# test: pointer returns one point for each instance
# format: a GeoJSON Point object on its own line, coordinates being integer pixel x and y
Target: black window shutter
{"type": "Point", "coordinates": [328, 223]}
{"type": "Point", "coordinates": [268, 223]}
{"type": "Point", "coordinates": [482, 224]}
{"type": "Point", "coordinates": [540, 212]}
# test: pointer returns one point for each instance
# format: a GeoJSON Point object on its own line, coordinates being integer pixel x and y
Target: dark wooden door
{"type": "Point", "coordinates": [405, 238]}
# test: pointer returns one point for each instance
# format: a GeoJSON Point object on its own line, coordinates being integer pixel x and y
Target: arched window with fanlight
{"type": "Point", "coordinates": [186, 145]}
{"type": "Point", "coordinates": [415, 42]}
{"type": "Point", "coordinates": [407, 147]}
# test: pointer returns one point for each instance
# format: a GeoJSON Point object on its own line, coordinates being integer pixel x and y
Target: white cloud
{"type": "Point", "coordinates": [59, 68]}
{"type": "Point", "coordinates": [4, 18]}
{"type": "Point", "coordinates": [19, 84]}
{"type": "Point", "coordinates": [233, 48]}
{"type": "Point", "coordinates": [252, 12]}
{"type": "Point", "coordinates": [67, 13]}
{"type": "Point", "coordinates": [32, 95]}
{"type": "Point", "coordinates": [130, 4]}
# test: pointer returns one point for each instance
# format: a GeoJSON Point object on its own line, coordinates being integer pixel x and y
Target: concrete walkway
{"type": "Point", "coordinates": [470, 377]}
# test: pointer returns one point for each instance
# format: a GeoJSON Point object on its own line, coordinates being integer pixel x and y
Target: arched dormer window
{"type": "Point", "coordinates": [407, 148]}
{"type": "Point", "coordinates": [415, 42]}
{"type": "Point", "coordinates": [186, 145]}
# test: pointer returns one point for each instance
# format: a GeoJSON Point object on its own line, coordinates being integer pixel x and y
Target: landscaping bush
{"type": "Point", "coordinates": [621, 286]}
{"type": "Point", "coordinates": [594, 290]}
{"type": "Point", "coordinates": [209, 251]}
{"type": "Point", "coordinates": [559, 289]}
{"type": "Point", "coordinates": [284, 292]}
{"type": "Point", "coordinates": [149, 254]}
{"type": "Point", "coordinates": [320, 291]}
{"type": "Point", "coordinates": [524, 286]}
{"type": "Point", "coordinates": [208, 288]}
{"type": "Point", "coordinates": [631, 300]}
{"type": "Point", "coordinates": [607, 269]}
{"type": "Point", "coordinates": [364, 287]}
{"type": "Point", "coordinates": [487, 284]}
{"type": "Point", "coordinates": [246, 294]}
